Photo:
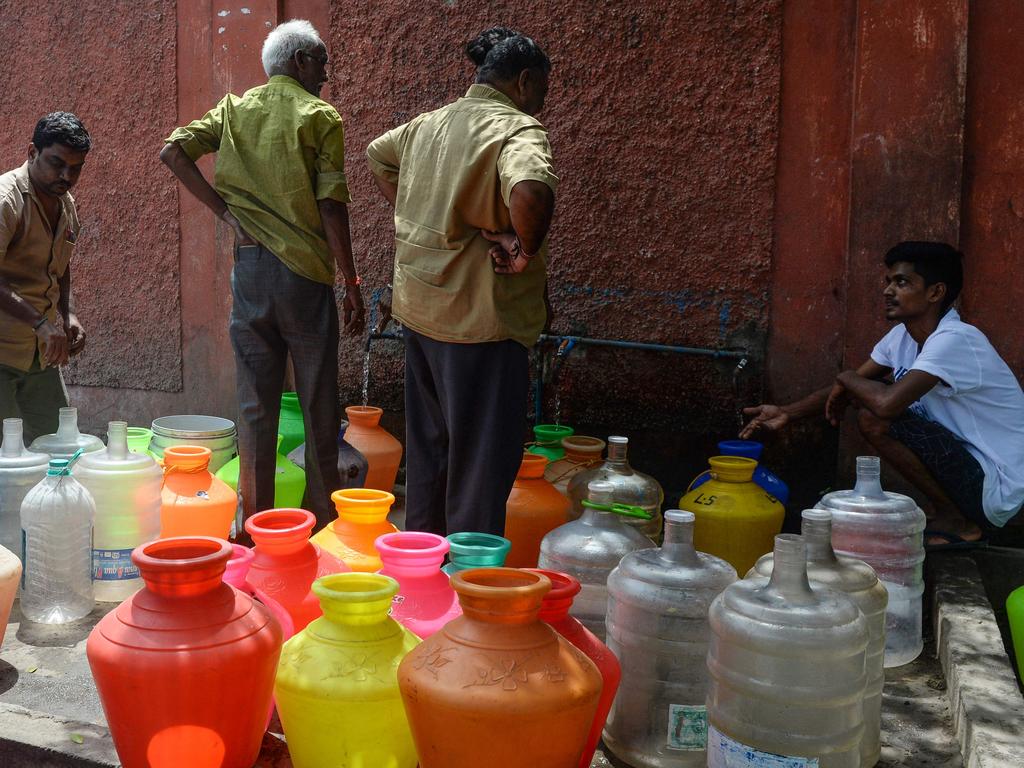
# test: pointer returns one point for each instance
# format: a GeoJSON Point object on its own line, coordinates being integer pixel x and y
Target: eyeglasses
{"type": "Point", "coordinates": [322, 60]}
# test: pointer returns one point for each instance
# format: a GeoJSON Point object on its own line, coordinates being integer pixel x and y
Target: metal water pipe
{"type": "Point", "coordinates": [566, 343]}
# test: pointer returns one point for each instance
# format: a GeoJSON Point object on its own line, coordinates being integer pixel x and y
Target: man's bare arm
{"type": "Point", "coordinates": [827, 401]}
{"type": "Point", "coordinates": [387, 188]}
{"type": "Point", "coordinates": [887, 401]}
{"type": "Point", "coordinates": [188, 173]}
{"type": "Point", "coordinates": [334, 216]}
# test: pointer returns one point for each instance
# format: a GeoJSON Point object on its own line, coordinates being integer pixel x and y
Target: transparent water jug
{"type": "Point", "coordinates": [588, 549]}
{"type": "Point", "coordinates": [658, 601]}
{"type": "Point", "coordinates": [125, 487]}
{"type": "Point", "coordinates": [787, 670]}
{"type": "Point", "coordinates": [56, 536]}
{"type": "Point", "coordinates": [67, 440]}
{"type": "Point", "coordinates": [628, 487]}
{"type": "Point", "coordinates": [20, 470]}
{"type": "Point", "coordinates": [885, 530]}
{"type": "Point", "coordinates": [858, 580]}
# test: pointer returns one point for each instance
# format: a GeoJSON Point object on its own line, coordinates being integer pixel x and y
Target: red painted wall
{"type": "Point", "coordinates": [731, 176]}
{"type": "Point", "coordinates": [112, 63]}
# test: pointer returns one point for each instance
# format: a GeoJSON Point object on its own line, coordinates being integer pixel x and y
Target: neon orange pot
{"type": "Point", "coordinates": [362, 517]}
{"type": "Point", "coordinates": [382, 450]}
{"type": "Point", "coordinates": [497, 687]}
{"type": "Point", "coordinates": [534, 507]}
{"type": "Point", "coordinates": [185, 667]}
{"type": "Point", "coordinates": [194, 502]}
{"type": "Point", "coordinates": [286, 563]}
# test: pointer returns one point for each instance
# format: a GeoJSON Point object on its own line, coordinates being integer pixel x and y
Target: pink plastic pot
{"type": "Point", "coordinates": [235, 574]}
{"type": "Point", "coordinates": [425, 601]}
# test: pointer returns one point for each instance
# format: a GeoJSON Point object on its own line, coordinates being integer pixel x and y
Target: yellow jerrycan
{"type": "Point", "coordinates": [735, 519]}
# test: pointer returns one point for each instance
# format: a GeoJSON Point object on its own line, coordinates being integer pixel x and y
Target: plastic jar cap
{"type": "Point", "coordinates": [618, 440]}
{"type": "Point", "coordinates": [679, 516]}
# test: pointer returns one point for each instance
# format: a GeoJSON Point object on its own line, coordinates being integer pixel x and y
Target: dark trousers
{"type": "Point", "coordinates": [465, 411]}
{"type": "Point", "coordinates": [276, 312]}
{"type": "Point", "coordinates": [34, 396]}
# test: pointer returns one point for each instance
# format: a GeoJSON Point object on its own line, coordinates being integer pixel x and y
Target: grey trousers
{"type": "Point", "coordinates": [276, 311]}
{"type": "Point", "coordinates": [34, 396]}
{"type": "Point", "coordinates": [465, 420]}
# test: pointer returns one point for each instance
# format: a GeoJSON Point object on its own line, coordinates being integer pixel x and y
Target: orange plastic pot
{"type": "Point", "coordinates": [497, 686]}
{"type": "Point", "coordinates": [382, 451]}
{"type": "Point", "coordinates": [185, 667]}
{"type": "Point", "coordinates": [534, 507]}
{"type": "Point", "coordinates": [362, 517]}
{"type": "Point", "coordinates": [194, 502]}
{"type": "Point", "coordinates": [285, 562]}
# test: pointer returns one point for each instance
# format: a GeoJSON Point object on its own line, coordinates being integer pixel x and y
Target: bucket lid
{"type": "Point", "coordinates": [193, 426]}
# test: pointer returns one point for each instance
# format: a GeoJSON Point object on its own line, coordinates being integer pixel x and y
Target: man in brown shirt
{"type": "Point", "coordinates": [473, 186]}
{"type": "Point", "coordinates": [38, 231]}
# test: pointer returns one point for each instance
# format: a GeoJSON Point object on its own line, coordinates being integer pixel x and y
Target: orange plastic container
{"type": "Point", "coordinates": [194, 502]}
{"type": "Point", "coordinates": [286, 563]}
{"type": "Point", "coordinates": [381, 449]}
{"type": "Point", "coordinates": [497, 687]}
{"type": "Point", "coordinates": [534, 507]}
{"type": "Point", "coordinates": [185, 667]}
{"type": "Point", "coordinates": [362, 517]}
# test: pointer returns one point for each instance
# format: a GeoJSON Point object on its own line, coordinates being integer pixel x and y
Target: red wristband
{"type": "Point", "coordinates": [353, 283]}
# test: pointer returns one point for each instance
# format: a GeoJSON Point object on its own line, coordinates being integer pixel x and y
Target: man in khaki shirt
{"type": "Point", "coordinates": [280, 183]}
{"type": "Point", "coordinates": [38, 231]}
{"type": "Point", "coordinates": [473, 187]}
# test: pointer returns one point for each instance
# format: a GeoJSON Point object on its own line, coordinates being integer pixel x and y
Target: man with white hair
{"type": "Point", "coordinates": [280, 185]}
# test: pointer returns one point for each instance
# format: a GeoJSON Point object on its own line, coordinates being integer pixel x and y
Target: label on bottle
{"type": "Point", "coordinates": [687, 727]}
{"type": "Point", "coordinates": [113, 565]}
{"type": "Point", "coordinates": [724, 752]}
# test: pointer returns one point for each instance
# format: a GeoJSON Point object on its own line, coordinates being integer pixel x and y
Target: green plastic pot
{"type": "Point", "coordinates": [548, 440]}
{"type": "Point", "coordinates": [289, 480]}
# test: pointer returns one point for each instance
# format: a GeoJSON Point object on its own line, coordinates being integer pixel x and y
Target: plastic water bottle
{"type": "Point", "coordinates": [56, 548]}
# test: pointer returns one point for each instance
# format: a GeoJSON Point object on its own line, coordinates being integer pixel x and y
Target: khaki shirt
{"type": "Point", "coordinates": [279, 150]}
{"type": "Point", "coordinates": [33, 259]}
{"type": "Point", "coordinates": [455, 169]}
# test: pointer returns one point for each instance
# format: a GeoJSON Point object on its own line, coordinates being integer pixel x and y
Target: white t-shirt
{"type": "Point", "coordinates": [978, 399]}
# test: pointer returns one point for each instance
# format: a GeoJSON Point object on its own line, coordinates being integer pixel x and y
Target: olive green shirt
{"type": "Point", "coordinates": [279, 149]}
{"type": "Point", "coordinates": [33, 258]}
{"type": "Point", "coordinates": [455, 169]}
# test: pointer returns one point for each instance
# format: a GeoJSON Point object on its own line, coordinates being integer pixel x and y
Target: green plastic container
{"type": "Point", "coordinates": [290, 425]}
{"type": "Point", "coordinates": [1015, 613]}
{"type": "Point", "coordinates": [475, 550]}
{"type": "Point", "coordinates": [289, 480]}
{"type": "Point", "coordinates": [548, 440]}
{"type": "Point", "coordinates": [138, 440]}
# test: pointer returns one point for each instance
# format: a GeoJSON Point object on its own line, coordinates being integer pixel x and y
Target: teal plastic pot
{"type": "Point", "coordinates": [289, 480]}
{"type": "Point", "coordinates": [475, 550]}
{"type": "Point", "coordinates": [548, 440]}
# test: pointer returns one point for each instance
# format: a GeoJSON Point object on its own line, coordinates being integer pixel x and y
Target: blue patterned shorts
{"type": "Point", "coordinates": [949, 461]}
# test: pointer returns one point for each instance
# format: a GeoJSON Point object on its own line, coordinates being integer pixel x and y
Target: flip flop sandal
{"type": "Point", "coordinates": [953, 542]}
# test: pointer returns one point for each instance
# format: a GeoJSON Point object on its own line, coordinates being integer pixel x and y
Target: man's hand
{"type": "Point", "coordinates": [835, 406]}
{"type": "Point", "coordinates": [770, 417]}
{"type": "Point", "coordinates": [506, 254]}
{"type": "Point", "coordinates": [55, 344]}
{"type": "Point", "coordinates": [355, 314]}
{"type": "Point", "coordinates": [241, 236]}
{"type": "Point", "coordinates": [75, 333]}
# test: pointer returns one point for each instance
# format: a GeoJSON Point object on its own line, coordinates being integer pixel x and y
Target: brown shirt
{"type": "Point", "coordinates": [33, 258]}
{"type": "Point", "coordinates": [455, 169]}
